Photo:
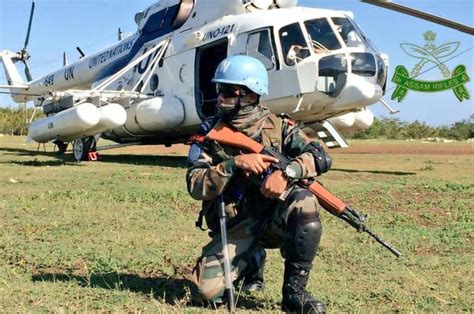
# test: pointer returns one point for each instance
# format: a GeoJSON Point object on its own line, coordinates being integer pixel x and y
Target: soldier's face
{"type": "Point", "coordinates": [227, 97]}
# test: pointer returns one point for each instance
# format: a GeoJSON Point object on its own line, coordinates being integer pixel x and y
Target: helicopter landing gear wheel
{"type": "Point", "coordinates": [82, 147]}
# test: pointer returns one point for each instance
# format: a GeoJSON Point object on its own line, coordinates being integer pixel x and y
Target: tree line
{"type": "Point", "coordinates": [13, 122]}
{"type": "Point", "coordinates": [393, 128]}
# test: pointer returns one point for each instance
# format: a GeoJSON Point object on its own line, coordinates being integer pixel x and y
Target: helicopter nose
{"type": "Point", "coordinates": [358, 92]}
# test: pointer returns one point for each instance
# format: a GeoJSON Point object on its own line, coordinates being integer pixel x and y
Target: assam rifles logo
{"type": "Point", "coordinates": [429, 54]}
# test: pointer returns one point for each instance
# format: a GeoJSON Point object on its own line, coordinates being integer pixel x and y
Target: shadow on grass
{"type": "Point", "coordinates": [395, 173]}
{"type": "Point", "coordinates": [43, 163]}
{"type": "Point", "coordinates": [171, 290]}
{"type": "Point", "coordinates": [67, 159]}
{"type": "Point", "coordinates": [26, 152]}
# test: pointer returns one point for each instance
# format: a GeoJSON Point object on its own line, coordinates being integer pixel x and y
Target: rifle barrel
{"type": "Point", "coordinates": [385, 244]}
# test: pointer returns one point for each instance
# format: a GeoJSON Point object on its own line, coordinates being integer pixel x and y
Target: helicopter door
{"type": "Point", "coordinates": [207, 59]}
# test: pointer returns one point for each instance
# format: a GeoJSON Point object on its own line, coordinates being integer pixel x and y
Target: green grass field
{"type": "Point", "coordinates": [119, 236]}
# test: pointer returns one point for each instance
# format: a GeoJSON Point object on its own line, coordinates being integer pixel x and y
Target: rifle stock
{"type": "Point", "coordinates": [225, 135]}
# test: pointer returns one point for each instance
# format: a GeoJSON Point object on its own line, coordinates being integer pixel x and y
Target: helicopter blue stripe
{"type": "Point", "coordinates": [164, 18]}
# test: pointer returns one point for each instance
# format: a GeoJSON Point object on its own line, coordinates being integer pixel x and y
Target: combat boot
{"type": "Point", "coordinates": [303, 236]}
{"type": "Point", "coordinates": [295, 297]}
{"type": "Point", "coordinates": [253, 280]}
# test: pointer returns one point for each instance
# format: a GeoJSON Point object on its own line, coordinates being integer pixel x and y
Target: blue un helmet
{"type": "Point", "coordinates": [244, 71]}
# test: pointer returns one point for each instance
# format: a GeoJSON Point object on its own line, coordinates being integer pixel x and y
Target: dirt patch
{"type": "Point", "coordinates": [357, 148]}
{"type": "Point", "coordinates": [175, 150]}
{"type": "Point", "coordinates": [430, 216]}
{"type": "Point", "coordinates": [408, 149]}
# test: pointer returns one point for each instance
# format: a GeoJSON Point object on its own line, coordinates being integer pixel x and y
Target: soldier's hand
{"type": "Point", "coordinates": [274, 185]}
{"type": "Point", "coordinates": [254, 163]}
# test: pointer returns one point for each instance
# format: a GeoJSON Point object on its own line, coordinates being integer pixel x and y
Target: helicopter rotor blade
{"type": "Point", "coordinates": [28, 75]}
{"type": "Point", "coordinates": [30, 22]}
{"type": "Point", "coordinates": [422, 15]}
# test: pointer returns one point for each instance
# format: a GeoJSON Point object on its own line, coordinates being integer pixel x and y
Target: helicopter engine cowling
{"type": "Point", "coordinates": [152, 115]}
{"type": "Point", "coordinates": [268, 4]}
{"type": "Point", "coordinates": [286, 3]}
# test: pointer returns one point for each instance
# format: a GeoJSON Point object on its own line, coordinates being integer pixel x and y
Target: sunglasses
{"type": "Point", "coordinates": [229, 91]}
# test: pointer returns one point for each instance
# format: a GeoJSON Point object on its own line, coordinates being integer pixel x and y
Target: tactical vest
{"type": "Point", "coordinates": [274, 131]}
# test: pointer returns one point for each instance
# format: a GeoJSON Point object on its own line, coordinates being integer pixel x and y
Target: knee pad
{"type": "Point", "coordinates": [303, 237]}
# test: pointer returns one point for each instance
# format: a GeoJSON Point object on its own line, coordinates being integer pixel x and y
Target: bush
{"type": "Point", "coordinates": [13, 120]}
{"type": "Point", "coordinates": [393, 128]}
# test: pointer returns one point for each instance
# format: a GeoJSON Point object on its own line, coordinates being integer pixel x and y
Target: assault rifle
{"type": "Point", "coordinates": [225, 135]}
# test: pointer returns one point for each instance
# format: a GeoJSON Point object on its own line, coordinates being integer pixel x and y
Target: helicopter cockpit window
{"type": "Point", "coordinates": [332, 74]}
{"type": "Point", "coordinates": [322, 36]}
{"type": "Point", "coordinates": [382, 72]}
{"type": "Point", "coordinates": [348, 32]}
{"type": "Point", "coordinates": [293, 44]}
{"type": "Point", "coordinates": [363, 64]}
{"type": "Point", "coordinates": [259, 46]}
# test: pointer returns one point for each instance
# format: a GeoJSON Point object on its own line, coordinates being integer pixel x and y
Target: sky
{"type": "Point", "coordinates": [61, 25]}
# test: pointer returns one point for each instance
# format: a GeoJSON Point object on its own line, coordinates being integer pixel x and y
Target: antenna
{"type": "Point", "coordinates": [81, 52]}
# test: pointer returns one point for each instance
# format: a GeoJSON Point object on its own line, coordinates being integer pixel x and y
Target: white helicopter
{"type": "Point", "coordinates": [154, 87]}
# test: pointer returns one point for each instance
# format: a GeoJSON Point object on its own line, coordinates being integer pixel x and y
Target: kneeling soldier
{"type": "Point", "coordinates": [257, 218]}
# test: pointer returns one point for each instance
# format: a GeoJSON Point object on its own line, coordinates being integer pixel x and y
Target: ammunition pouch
{"type": "Point", "coordinates": [208, 214]}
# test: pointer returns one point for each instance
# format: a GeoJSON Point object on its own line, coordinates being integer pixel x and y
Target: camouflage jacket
{"type": "Point", "coordinates": [212, 169]}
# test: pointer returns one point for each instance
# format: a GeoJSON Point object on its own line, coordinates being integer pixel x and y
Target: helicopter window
{"type": "Point", "coordinates": [293, 43]}
{"type": "Point", "coordinates": [333, 65]}
{"type": "Point", "coordinates": [322, 36]}
{"type": "Point", "coordinates": [367, 40]}
{"type": "Point", "coordinates": [382, 72]}
{"type": "Point", "coordinates": [260, 47]}
{"type": "Point", "coordinates": [332, 74]}
{"type": "Point", "coordinates": [348, 32]}
{"type": "Point", "coordinates": [363, 64]}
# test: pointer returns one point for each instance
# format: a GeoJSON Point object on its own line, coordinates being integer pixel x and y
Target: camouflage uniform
{"type": "Point", "coordinates": [255, 222]}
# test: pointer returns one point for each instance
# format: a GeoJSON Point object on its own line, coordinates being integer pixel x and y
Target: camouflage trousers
{"type": "Point", "coordinates": [245, 239]}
